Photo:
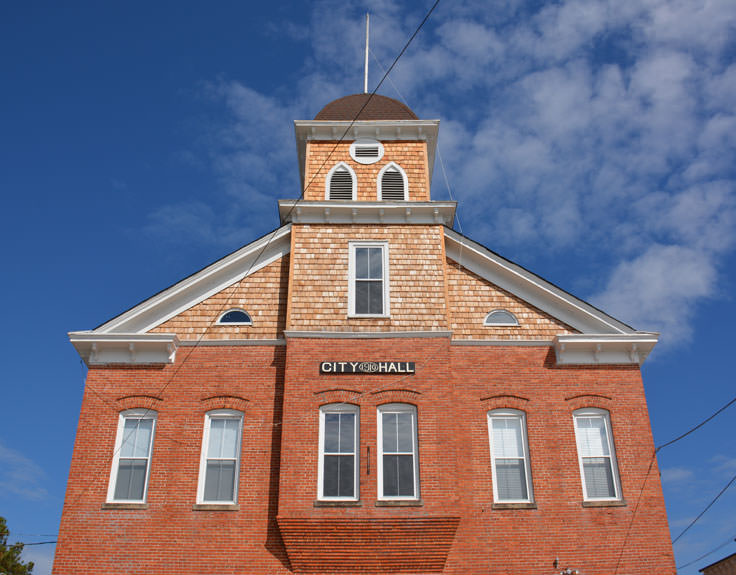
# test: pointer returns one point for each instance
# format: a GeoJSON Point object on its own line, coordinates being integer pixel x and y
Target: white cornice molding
{"type": "Point", "coordinates": [201, 285]}
{"type": "Point", "coordinates": [531, 288]}
{"type": "Point", "coordinates": [382, 130]}
{"type": "Point", "coordinates": [349, 212]}
{"type": "Point", "coordinates": [594, 349]}
{"type": "Point", "coordinates": [125, 348]}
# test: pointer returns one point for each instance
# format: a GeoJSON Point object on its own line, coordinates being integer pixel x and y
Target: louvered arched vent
{"type": "Point", "coordinates": [341, 184]}
{"type": "Point", "coordinates": [392, 185]}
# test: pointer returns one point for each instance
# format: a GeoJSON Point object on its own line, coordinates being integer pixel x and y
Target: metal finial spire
{"type": "Point", "coordinates": [365, 77]}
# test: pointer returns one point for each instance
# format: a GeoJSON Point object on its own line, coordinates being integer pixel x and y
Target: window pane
{"type": "Point", "coordinates": [219, 484]}
{"type": "Point", "coordinates": [406, 475]}
{"type": "Point", "coordinates": [217, 430]}
{"type": "Point", "coordinates": [136, 437]}
{"type": "Point", "coordinates": [376, 263]}
{"type": "Point", "coordinates": [591, 435]}
{"type": "Point", "coordinates": [405, 431]}
{"type": "Point", "coordinates": [361, 297]}
{"type": "Point", "coordinates": [346, 475]}
{"type": "Point", "coordinates": [361, 263]}
{"type": "Point", "coordinates": [332, 430]}
{"type": "Point", "coordinates": [347, 432]}
{"type": "Point", "coordinates": [507, 437]}
{"type": "Point", "coordinates": [389, 430]}
{"type": "Point", "coordinates": [230, 438]}
{"type": "Point", "coordinates": [391, 475]}
{"type": "Point", "coordinates": [375, 297]}
{"type": "Point", "coordinates": [131, 479]}
{"type": "Point", "coordinates": [511, 479]}
{"type": "Point", "coordinates": [598, 477]}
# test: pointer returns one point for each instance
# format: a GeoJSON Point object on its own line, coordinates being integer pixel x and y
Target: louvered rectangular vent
{"type": "Point", "coordinates": [366, 151]}
{"type": "Point", "coordinates": [341, 185]}
{"type": "Point", "coordinates": [392, 186]}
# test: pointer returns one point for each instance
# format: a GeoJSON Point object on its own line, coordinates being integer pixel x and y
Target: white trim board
{"type": "Point", "coordinates": [530, 287]}
{"type": "Point", "coordinates": [201, 285]}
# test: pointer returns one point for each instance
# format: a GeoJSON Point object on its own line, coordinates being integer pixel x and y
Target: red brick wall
{"type": "Point", "coordinates": [453, 388]}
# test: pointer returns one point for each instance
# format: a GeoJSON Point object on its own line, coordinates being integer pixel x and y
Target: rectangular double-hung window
{"type": "Point", "coordinates": [338, 452]}
{"type": "Point", "coordinates": [398, 461]}
{"type": "Point", "coordinates": [509, 456]}
{"type": "Point", "coordinates": [596, 455]}
{"type": "Point", "coordinates": [132, 457]}
{"type": "Point", "coordinates": [220, 462]}
{"type": "Point", "coordinates": [368, 279]}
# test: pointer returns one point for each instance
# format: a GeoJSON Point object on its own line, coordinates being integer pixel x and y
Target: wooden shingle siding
{"type": "Point", "coordinates": [471, 298]}
{"type": "Point", "coordinates": [411, 156]}
{"type": "Point", "coordinates": [262, 294]}
{"type": "Point", "coordinates": [320, 278]}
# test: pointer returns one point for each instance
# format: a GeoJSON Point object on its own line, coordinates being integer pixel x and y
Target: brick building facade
{"type": "Point", "coordinates": [363, 390]}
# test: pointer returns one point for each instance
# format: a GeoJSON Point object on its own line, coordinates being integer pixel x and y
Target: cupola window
{"type": "Point", "coordinates": [340, 183]}
{"type": "Point", "coordinates": [235, 317]}
{"type": "Point", "coordinates": [501, 318]}
{"type": "Point", "coordinates": [366, 151]}
{"type": "Point", "coordinates": [392, 184]}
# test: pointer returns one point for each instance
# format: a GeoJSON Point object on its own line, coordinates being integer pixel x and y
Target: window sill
{"type": "Point", "coordinates": [382, 316]}
{"type": "Point", "coordinates": [400, 503]}
{"type": "Point", "coordinates": [336, 503]}
{"type": "Point", "coordinates": [519, 505]}
{"type": "Point", "coordinates": [612, 503]}
{"type": "Point", "coordinates": [216, 507]}
{"type": "Point", "coordinates": [128, 506]}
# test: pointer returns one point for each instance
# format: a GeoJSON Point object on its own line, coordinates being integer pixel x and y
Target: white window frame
{"type": "Point", "coordinates": [352, 280]}
{"type": "Point", "coordinates": [397, 408]}
{"type": "Point", "coordinates": [521, 416]}
{"type": "Point", "coordinates": [208, 417]}
{"type": "Point", "coordinates": [606, 417]}
{"type": "Point", "coordinates": [488, 323]}
{"type": "Point", "coordinates": [352, 175]}
{"type": "Point", "coordinates": [223, 314]}
{"type": "Point", "coordinates": [379, 183]}
{"type": "Point", "coordinates": [339, 408]}
{"type": "Point", "coordinates": [138, 413]}
{"type": "Point", "coordinates": [360, 142]}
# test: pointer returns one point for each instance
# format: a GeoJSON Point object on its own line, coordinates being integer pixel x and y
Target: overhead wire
{"type": "Point", "coordinates": [273, 233]}
{"type": "Point", "coordinates": [694, 521]}
{"type": "Point", "coordinates": [704, 555]}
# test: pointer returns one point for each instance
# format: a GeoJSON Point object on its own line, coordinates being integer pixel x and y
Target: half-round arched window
{"type": "Point", "coordinates": [340, 183]}
{"type": "Point", "coordinates": [501, 318]}
{"type": "Point", "coordinates": [392, 183]}
{"type": "Point", "coordinates": [235, 317]}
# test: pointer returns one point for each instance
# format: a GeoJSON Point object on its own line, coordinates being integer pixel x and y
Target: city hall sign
{"type": "Point", "coordinates": [367, 367]}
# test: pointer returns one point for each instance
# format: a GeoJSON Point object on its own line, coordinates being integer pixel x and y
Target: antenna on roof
{"type": "Point", "coordinates": [365, 77]}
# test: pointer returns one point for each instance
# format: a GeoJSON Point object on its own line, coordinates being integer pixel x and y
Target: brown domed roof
{"type": "Point", "coordinates": [378, 108]}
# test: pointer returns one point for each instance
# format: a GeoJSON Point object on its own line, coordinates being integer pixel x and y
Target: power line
{"type": "Point", "coordinates": [721, 546]}
{"type": "Point", "coordinates": [698, 426]}
{"type": "Point", "coordinates": [694, 521]}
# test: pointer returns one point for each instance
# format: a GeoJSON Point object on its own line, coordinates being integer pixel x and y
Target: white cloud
{"type": "Point", "coordinates": [677, 475]}
{"type": "Point", "coordinates": [20, 476]}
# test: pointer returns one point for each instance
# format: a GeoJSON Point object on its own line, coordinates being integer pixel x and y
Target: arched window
{"type": "Point", "coordinates": [392, 183]}
{"type": "Point", "coordinates": [509, 456]}
{"type": "Point", "coordinates": [501, 318]}
{"type": "Point", "coordinates": [338, 451]}
{"type": "Point", "coordinates": [596, 454]}
{"type": "Point", "coordinates": [398, 456]}
{"type": "Point", "coordinates": [340, 183]}
{"type": "Point", "coordinates": [131, 462]}
{"type": "Point", "coordinates": [220, 460]}
{"type": "Point", "coordinates": [235, 317]}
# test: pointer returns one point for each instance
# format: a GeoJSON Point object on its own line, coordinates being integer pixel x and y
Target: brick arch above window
{"type": "Point", "coordinates": [507, 401]}
{"type": "Point", "coordinates": [396, 395]}
{"type": "Point", "coordinates": [234, 402]}
{"type": "Point", "coordinates": [140, 401]}
{"type": "Point", "coordinates": [338, 395]}
{"type": "Point", "coordinates": [592, 400]}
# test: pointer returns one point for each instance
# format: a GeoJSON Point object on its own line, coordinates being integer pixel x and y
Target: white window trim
{"type": "Point", "coordinates": [352, 175]}
{"type": "Point", "coordinates": [223, 314]}
{"type": "Point", "coordinates": [392, 408]}
{"type": "Point", "coordinates": [336, 408]}
{"type": "Point", "coordinates": [351, 279]}
{"type": "Point", "coordinates": [228, 413]}
{"type": "Point", "coordinates": [596, 412]}
{"type": "Point", "coordinates": [403, 176]}
{"type": "Point", "coordinates": [501, 324]}
{"type": "Point", "coordinates": [130, 413]}
{"type": "Point", "coordinates": [366, 142]}
{"type": "Point", "coordinates": [518, 414]}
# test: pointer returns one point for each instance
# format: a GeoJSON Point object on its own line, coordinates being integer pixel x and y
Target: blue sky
{"type": "Point", "coordinates": [592, 141]}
